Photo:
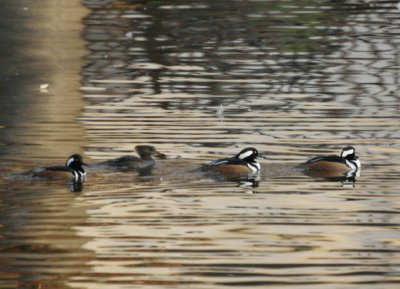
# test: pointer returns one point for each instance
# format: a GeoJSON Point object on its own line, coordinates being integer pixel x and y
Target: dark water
{"type": "Point", "coordinates": [199, 80]}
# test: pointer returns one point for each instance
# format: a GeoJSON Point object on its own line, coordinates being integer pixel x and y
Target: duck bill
{"type": "Point", "coordinates": [159, 155]}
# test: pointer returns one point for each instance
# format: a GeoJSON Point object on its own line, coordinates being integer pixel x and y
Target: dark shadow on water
{"type": "Point", "coordinates": [250, 181]}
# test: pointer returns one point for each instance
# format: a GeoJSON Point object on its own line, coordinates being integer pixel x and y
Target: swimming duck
{"type": "Point", "coordinates": [144, 160]}
{"type": "Point", "coordinates": [242, 163]}
{"type": "Point", "coordinates": [72, 170]}
{"type": "Point", "coordinates": [347, 161]}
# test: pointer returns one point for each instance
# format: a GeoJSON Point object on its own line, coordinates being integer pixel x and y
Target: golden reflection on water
{"type": "Point", "coordinates": [42, 126]}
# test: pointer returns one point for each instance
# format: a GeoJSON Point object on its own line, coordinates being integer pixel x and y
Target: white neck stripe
{"type": "Point", "coordinates": [254, 166]}
{"type": "Point", "coordinates": [353, 164]}
{"type": "Point", "coordinates": [78, 175]}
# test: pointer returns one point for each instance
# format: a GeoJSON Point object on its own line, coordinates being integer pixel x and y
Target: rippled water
{"type": "Point", "coordinates": [199, 80]}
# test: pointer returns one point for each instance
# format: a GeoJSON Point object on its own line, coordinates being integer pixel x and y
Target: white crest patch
{"type": "Point", "coordinates": [347, 152]}
{"type": "Point", "coordinates": [245, 154]}
{"type": "Point", "coordinates": [70, 161]}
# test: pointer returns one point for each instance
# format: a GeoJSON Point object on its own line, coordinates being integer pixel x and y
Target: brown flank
{"type": "Point", "coordinates": [326, 166]}
{"type": "Point", "coordinates": [230, 169]}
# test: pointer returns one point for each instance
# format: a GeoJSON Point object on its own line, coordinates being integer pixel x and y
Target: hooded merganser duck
{"type": "Point", "coordinates": [144, 160]}
{"type": "Point", "coordinates": [347, 161]}
{"type": "Point", "coordinates": [243, 163]}
{"type": "Point", "coordinates": [73, 170]}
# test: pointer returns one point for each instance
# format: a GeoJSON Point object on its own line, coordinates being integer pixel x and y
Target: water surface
{"type": "Point", "coordinates": [200, 80]}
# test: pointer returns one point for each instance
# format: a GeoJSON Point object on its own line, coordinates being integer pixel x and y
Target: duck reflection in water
{"type": "Point", "coordinates": [75, 186]}
{"type": "Point", "coordinates": [143, 164]}
{"type": "Point", "coordinates": [242, 168]}
{"type": "Point", "coordinates": [344, 168]}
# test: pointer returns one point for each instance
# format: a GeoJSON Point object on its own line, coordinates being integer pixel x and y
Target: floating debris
{"type": "Point", "coordinates": [220, 111]}
{"type": "Point", "coordinates": [129, 34]}
{"type": "Point", "coordinates": [43, 88]}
